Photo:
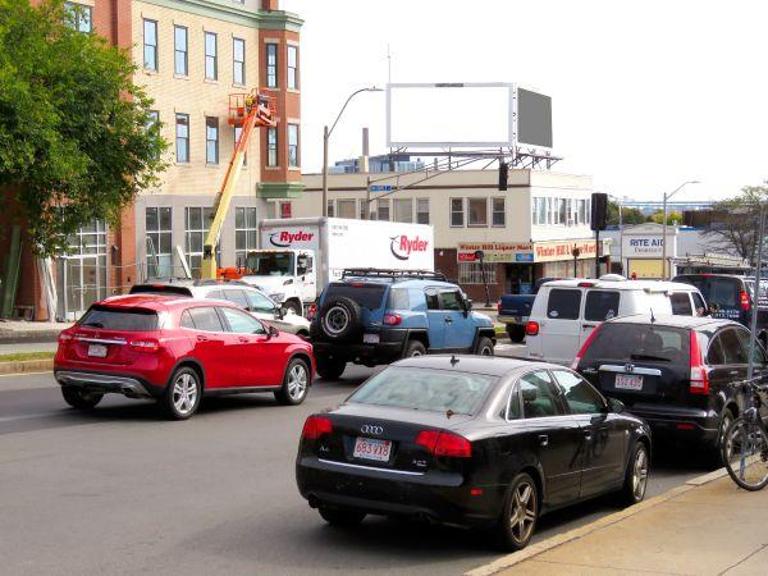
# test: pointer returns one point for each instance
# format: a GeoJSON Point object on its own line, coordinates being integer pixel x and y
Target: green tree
{"type": "Point", "coordinates": [629, 215]}
{"type": "Point", "coordinates": [76, 135]}
{"type": "Point", "coordinates": [673, 217]}
{"type": "Point", "coordinates": [736, 222]}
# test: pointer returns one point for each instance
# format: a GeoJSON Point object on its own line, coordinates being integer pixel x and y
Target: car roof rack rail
{"type": "Point", "coordinates": [394, 274]}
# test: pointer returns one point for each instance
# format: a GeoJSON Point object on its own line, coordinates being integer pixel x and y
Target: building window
{"type": "Point", "coordinates": [286, 210]}
{"type": "Point", "coordinates": [79, 17]}
{"type": "Point", "coordinates": [329, 209]}
{"type": "Point", "coordinates": [238, 56]}
{"type": "Point", "coordinates": [539, 210]}
{"type": "Point", "coordinates": [246, 233]}
{"type": "Point", "coordinates": [182, 138]}
{"type": "Point", "coordinates": [293, 145]}
{"type": "Point", "coordinates": [382, 206]}
{"type": "Point", "coordinates": [293, 67]}
{"type": "Point", "coordinates": [272, 147]}
{"type": "Point", "coordinates": [150, 45]}
{"type": "Point", "coordinates": [562, 213]}
{"type": "Point", "coordinates": [422, 211]}
{"type": "Point", "coordinates": [211, 140]}
{"type": "Point", "coordinates": [499, 216]}
{"type": "Point", "coordinates": [457, 212]}
{"type": "Point", "coordinates": [403, 210]}
{"type": "Point", "coordinates": [238, 133]}
{"type": "Point", "coordinates": [211, 58]}
{"type": "Point", "coordinates": [180, 51]}
{"type": "Point", "coordinates": [582, 211]}
{"type": "Point", "coordinates": [271, 65]}
{"type": "Point", "coordinates": [81, 272]}
{"type": "Point", "coordinates": [472, 272]}
{"type": "Point", "coordinates": [197, 223]}
{"type": "Point", "coordinates": [478, 211]}
{"type": "Point", "coordinates": [159, 242]}
{"type": "Point", "coordinates": [588, 210]}
{"type": "Point", "coordinates": [346, 208]}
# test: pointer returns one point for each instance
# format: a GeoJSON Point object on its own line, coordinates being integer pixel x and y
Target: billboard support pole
{"type": "Point", "coordinates": [756, 296]}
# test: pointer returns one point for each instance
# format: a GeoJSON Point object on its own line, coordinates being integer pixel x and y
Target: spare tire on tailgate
{"type": "Point", "coordinates": [340, 318]}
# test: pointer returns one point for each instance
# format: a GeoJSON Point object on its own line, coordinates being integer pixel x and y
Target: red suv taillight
{"type": "Point", "coordinates": [498, 307]}
{"type": "Point", "coordinates": [315, 427]}
{"type": "Point", "coordinates": [312, 311]}
{"type": "Point", "coordinates": [744, 301]}
{"type": "Point", "coordinates": [440, 443]}
{"type": "Point", "coordinates": [65, 337]}
{"type": "Point", "coordinates": [585, 347]}
{"type": "Point", "coordinates": [145, 345]}
{"type": "Point", "coordinates": [699, 375]}
{"type": "Point", "coordinates": [532, 328]}
{"type": "Point", "coordinates": [392, 319]}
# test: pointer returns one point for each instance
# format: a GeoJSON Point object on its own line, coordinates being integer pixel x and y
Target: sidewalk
{"type": "Point", "coordinates": [708, 526]}
{"type": "Point", "coordinates": [20, 331]}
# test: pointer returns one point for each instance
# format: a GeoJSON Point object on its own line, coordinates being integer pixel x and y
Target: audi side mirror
{"type": "Point", "coordinates": [272, 332]}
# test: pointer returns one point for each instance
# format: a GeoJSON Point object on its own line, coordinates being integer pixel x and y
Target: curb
{"type": "Point", "coordinates": [44, 365]}
{"type": "Point", "coordinates": [539, 548]}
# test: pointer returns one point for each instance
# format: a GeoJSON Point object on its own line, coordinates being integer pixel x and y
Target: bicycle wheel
{"type": "Point", "coordinates": [745, 453]}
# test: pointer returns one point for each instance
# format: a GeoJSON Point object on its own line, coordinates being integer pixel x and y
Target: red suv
{"type": "Point", "coordinates": [175, 350]}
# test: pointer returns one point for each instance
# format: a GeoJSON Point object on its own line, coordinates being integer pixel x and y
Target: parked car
{"type": "Point", "coordinates": [566, 311]}
{"type": "Point", "coordinates": [472, 441]}
{"type": "Point", "coordinates": [175, 350]}
{"type": "Point", "coordinates": [678, 373]}
{"type": "Point", "coordinates": [244, 295]}
{"type": "Point", "coordinates": [733, 297]}
{"type": "Point", "coordinates": [514, 310]}
{"type": "Point", "coordinates": [373, 317]}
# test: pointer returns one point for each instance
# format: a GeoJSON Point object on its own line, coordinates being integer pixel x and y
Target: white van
{"type": "Point", "coordinates": [566, 311]}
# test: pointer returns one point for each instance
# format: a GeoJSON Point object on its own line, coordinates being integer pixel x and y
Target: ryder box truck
{"type": "Point", "coordinates": [299, 257]}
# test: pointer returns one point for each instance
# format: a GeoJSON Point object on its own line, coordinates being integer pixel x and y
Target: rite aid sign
{"type": "Point", "coordinates": [649, 245]}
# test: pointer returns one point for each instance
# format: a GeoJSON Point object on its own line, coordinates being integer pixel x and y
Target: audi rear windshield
{"type": "Point", "coordinates": [639, 343]}
{"type": "Point", "coordinates": [365, 295]}
{"type": "Point", "coordinates": [426, 389]}
{"type": "Point", "coordinates": [128, 320]}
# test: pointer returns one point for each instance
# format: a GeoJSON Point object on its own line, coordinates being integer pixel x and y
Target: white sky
{"type": "Point", "coordinates": [645, 94]}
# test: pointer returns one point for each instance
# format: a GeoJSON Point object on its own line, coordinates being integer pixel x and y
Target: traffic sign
{"type": "Point", "coordinates": [381, 187]}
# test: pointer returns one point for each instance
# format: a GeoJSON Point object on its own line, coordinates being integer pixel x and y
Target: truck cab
{"type": "Point", "coordinates": [288, 276]}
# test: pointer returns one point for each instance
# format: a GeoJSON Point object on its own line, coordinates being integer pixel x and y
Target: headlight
{"type": "Point", "coordinates": [279, 297]}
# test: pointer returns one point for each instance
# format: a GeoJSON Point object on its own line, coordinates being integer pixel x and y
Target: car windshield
{"type": "Point", "coordinates": [270, 264]}
{"type": "Point", "coordinates": [367, 295]}
{"type": "Point", "coordinates": [425, 389]}
{"type": "Point", "coordinates": [637, 343]}
{"type": "Point", "coordinates": [132, 320]}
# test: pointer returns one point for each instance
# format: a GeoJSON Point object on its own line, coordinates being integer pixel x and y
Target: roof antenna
{"type": "Point", "coordinates": [454, 360]}
{"type": "Point", "coordinates": [653, 318]}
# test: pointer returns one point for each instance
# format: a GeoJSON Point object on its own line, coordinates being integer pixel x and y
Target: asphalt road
{"type": "Point", "coordinates": [121, 491]}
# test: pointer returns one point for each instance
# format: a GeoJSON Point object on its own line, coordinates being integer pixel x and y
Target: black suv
{"type": "Point", "coordinates": [678, 373]}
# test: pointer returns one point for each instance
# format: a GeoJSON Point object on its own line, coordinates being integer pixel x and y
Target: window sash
{"type": "Point", "coordinates": [211, 140]}
{"type": "Point", "coordinates": [478, 211]}
{"type": "Point", "coordinates": [271, 65]}
{"type": "Point", "coordinates": [403, 209]}
{"type": "Point", "coordinates": [272, 158]}
{"type": "Point", "coordinates": [422, 210]}
{"type": "Point", "coordinates": [181, 50]}
{"type": "Point", "coordinates": [457, 212]}
{"type": "Point", "coordinates": [499, 215]}
{"type": "Point", "coordinates": [182, 138]}
{"type": "Point", "coordinates": [293, 145]}
{"type": "Point", "coordinates": [293, 66]}
{"type": "Point", "coordinates": [150, 45]}
{"type": "Point", "coordinates": [238, 61]}
{"type": "Point", "coordinates": [211, 56]}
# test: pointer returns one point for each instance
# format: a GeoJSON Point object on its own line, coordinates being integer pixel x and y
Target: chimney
{"type": "Point", "coordinates": [364, 164]}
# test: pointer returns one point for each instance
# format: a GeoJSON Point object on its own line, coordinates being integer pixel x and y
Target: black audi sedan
{"type": "Point", "coordinates": [483, 442]}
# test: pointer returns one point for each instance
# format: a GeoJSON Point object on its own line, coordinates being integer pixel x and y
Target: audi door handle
{"type": "Point", "coordinates": [543, 440]}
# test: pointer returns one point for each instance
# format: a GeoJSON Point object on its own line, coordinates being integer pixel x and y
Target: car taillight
{"type": "Point", "coordinates": [498, 307]}
{"type": "Point", "coordinates": [585, 347]}
{"type": "Point", "coordinates": [65, 337]}
{"type": "Point", "coordinates": [315, 427]}
{"type": "Point", "coordinates": [312, 311]}
{"type": "Point", "coordinates": [699, 375]}
{"type": "Point", "coordinates": [145, 345]}
{"type": "Point", "coordinates": [444, 444]}
{"type": "Point", "coordinates": [532, 328]}
{"type": "Point", "coordinates": [392, 319]}
{"type": "Point", "coordinates": [744, 301]}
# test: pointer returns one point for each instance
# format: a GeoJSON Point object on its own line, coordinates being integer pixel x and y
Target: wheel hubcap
{"type": "Point", "coordinates": [184, 393]}
{"type": "Point", "coordinates": [640, 474]}
{"type": "Point", "coordinates": [297, 382]}
{"type": "Point", "coordinates": [486, 351]}
{"type": "Point", "coordinates": [523, 514]}
{"type": "Point", "coordinates": [336, 320]}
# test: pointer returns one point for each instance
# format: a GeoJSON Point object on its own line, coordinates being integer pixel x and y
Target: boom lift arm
{"type": "Point", "coordinates": [247, 111]}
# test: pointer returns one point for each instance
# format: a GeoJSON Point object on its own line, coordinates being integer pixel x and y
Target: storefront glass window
{"type": "Point", "coordinates": [472, 272]}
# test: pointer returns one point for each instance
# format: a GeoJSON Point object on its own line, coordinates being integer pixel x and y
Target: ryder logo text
{"type": "Point", "coordinates": [402, 246]}
{"type": "Point", "coordinates": [284, 239]}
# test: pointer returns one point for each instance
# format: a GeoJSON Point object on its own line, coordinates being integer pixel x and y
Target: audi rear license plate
{"type": "Point", "coordinates": [372, 449]}
{"type": "Point", "coordinates": [628, 382]}
{"type": "Point", "coordinates": [97, 350]}
{"type": "Point", "coordinates": [371, 338]}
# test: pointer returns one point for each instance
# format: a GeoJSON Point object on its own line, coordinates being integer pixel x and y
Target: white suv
{"type": "Point", "coordinates": [566, 311]}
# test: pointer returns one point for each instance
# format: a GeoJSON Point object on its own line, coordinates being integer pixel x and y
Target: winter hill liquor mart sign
{"type": "Point", "coordinates": [511, 252]}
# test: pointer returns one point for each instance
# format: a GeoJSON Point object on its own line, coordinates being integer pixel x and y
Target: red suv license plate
{"type": "Point", "coordinates": [372, 449]}
{"type": "Point", "coordinates": [97, 350]}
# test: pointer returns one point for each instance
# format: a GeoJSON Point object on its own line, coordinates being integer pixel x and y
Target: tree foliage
{"type": "Point", "coordinates": [75, 135]}
{"type": "Point", "coordinates": [737, 225]}
{"type": "Point", "coordinates": [629, 215]}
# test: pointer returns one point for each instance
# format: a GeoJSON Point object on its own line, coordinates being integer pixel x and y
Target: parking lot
{"type": "Point", "coordinates": [122, 491]}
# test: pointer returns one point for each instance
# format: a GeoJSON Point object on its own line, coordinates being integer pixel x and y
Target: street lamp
{"type": "Point", "coordinates": [665, 274]}
{"type": "Point", "coordinates": [327, 135]}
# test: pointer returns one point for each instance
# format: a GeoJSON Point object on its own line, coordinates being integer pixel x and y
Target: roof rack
{"type": "Point", "coordinates": [388, 273]}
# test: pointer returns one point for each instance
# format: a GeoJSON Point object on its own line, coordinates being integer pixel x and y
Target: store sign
{"type": "Point", "coordinates": [651, 246]}
{"type": "Point", "coordinates": [552, 251]}
{"type": "Point", "coordinates": [564, 250]}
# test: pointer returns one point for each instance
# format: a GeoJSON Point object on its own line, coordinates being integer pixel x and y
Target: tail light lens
{"type": "Point", "coordinates": [441, 443]}
{"type": "Point", "coordinates": [699, 375]}
{"type": "Point", "coordinates": [532, 328]}
{"type": "Point", "coordinates": [744, 301]}
{"type": "Point", "coordinates": [392, 319]}
{"type": "Point", "coordinates": [585, 347]}
{"type": "Point", "coordinates": [315, 427]}
{"type": "Point", "coordinates": [145, 345]}
{"type": "Point", "coordinates": [65, 337]}
{"type": "Point", "coordinates": [498, 307]}
{"type": "Point", "coordinates": [312, 311]}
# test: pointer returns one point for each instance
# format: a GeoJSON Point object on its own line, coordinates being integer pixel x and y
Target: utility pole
{"type": "Point", "coordinates": [324, 208]}
{"type": "Point", "coordinates": [756, 295]}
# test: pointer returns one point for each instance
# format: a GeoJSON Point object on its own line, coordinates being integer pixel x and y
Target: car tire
{"type": "Point", "coordinates": [414, 348]}
{"type": "Point", "coordinates": [516, 333]}
{"type": "Point", "coordinates": [80, 399]}
{"type": "Point", "coordinates": [330, 368]}
{"type": "Point", "coordinates": [484, 346]}
{"type": "Point", "coordinates": [340, 319]}
{"type": "Point", "coordinates": [296, 383]}
{"type": "Point", "coordinates": [183, 394]}
{"type": "Point", "coordinates": [293, 306]}
{"type": "Point", "coordinates": [519, 515]}
{"type": "Point", "coordinates": [716, 452]}
{"type": "Point", "coordinates": [636, 476]}
{"type": "Point", "coordinates": [341, 516]}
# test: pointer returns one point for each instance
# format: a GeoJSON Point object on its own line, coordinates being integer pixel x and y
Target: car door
{"type": "Point", "coordinates": [460, 331]}
{"type": "Point", "coordinates": [211, 343]}
{"type": "Point", "coordinates": [262, 307]}
{"type": "Point", "coordinates": [236, 296]}
{"type": "Point", "coordinates": [560, 332]}
{"type": "Point", "coordinates": [305, 269]}
{"type": "Point", "coordinates": [251, 356]}
{"type": "Point", "coordinates": [602, 433]}
{"type": "Point", "coordinates": [553, 436]}
{"type": "Point", "coordinates": [436, 319]}
{"type": "Point", "coordinates": [599, 306]}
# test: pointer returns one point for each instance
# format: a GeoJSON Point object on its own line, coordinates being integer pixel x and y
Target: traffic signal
{"type": "Point", "coordinates": [503, 174]}
{"type": "Point", "coordinates": [599, 211]}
